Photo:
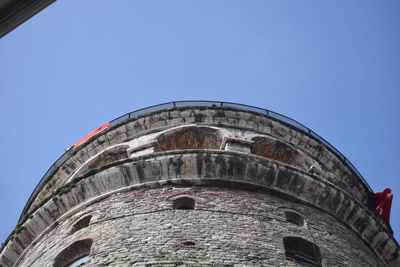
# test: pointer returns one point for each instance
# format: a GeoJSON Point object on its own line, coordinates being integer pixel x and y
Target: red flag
{"type": "Point", "coordinates": [383, 203]}
{"type": "Point", "coordinates": [98, 130]}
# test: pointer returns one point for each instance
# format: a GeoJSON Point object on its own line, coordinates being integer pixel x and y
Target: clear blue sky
{"type": "Point", "coordinates": [332, 65]}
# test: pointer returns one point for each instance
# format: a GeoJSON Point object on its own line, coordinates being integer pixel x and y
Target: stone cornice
{"type": "Point", "coordinates": [222, 117]}
{"type": "Point", "coordinates": [206, 168]}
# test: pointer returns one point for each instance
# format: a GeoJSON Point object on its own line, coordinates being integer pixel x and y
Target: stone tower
{"type": "Point", "coordinates": [197, 184]}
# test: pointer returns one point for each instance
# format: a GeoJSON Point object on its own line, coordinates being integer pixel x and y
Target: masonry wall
{"type": "Point", "coordinates": [333, 169]}
{"type": "Point", "coordinates": [228, 227]}
{"type": "Point", "coordinates": [243, 169]}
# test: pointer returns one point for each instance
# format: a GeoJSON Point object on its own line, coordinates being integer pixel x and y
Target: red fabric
{"type": "Point", "coordinates": [98, 130]}
{"type": "Point", "coordinates": [383, 203]}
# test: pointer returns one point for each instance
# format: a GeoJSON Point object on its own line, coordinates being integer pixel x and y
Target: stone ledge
{"type": "Point", "coordinates": [208, 168]}
{"type": "Point", "coordinates": [223, 117]}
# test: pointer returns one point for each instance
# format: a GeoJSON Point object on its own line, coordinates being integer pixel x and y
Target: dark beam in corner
{"type": "Point", "coordinates": [15, 12]}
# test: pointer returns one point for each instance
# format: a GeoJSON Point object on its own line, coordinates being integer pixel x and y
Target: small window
{"type": "Point", "coordinates": [82, 223]}
{"type": "Point", "coordinates": [75, 254]}
{"type": "Point", "coordinates": [188, 243]}
{"type": "Point", "coordinates": [302, 251]}
{"type": "Point", "coordinates": [294, 218]}
{"type": "Point", "coordinates": [184, 203]}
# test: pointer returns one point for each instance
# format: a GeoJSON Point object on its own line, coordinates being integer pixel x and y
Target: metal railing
{"type": "Point", "coordinates": [198, 103]}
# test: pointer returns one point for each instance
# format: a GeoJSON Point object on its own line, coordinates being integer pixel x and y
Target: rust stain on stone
{"type": "Point", "coordinates": [191, 138]}
{"type": "Point", "coordinates": [274, 149]}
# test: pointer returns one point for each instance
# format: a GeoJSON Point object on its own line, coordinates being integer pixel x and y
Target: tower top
{"type": "Point", "coordinates": [204, 144]}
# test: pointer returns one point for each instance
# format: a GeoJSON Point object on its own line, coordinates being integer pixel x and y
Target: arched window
{"type": "Point", "coordinates": [184, 203]}
{"type": "Point", "coordinates": [82, 223]}
{"type": "Point", "coordinates": [75, 254]}
{"type": "Point", "coordinates": [294, 217]}
{"type": "Point", "coordinates": [189, 138]}
{"type": "Point", "coordinates": [302, 251]}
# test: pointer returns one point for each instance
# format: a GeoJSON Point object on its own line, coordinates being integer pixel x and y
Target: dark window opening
{"type": "Point", "coordinates": [188, 243]}
{"type": "Point", "coordinates": [184, 203]}
{"type": "Point", "coordinates": [75, 254]}
{"type": "Point", "coordinates": [294, 218]}
{"type": "Point", "coordinates": [302, 251]}
{"type": "Point", "coordinates": [81, 224]}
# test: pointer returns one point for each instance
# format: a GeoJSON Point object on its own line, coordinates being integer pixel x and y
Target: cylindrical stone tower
{"type": "Point", "coordinates": [197, 184]}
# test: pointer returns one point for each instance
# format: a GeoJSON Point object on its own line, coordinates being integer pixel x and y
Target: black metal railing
{"type": "Point", "coordinates": [199, 103]}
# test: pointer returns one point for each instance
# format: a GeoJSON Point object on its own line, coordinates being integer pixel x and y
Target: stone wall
{"type": "Point", "coordinates": [225, 117]}
{"type": "Point", "coordinates": [245, 171]}
{"type": "Point", "coordinates": [227, 169]}
{"type": "Point", "coordinates": [228, 227]}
